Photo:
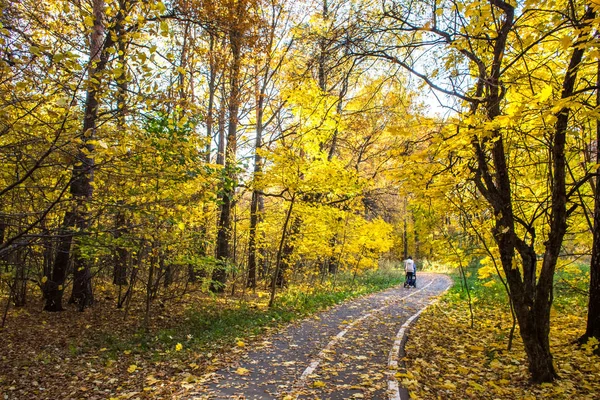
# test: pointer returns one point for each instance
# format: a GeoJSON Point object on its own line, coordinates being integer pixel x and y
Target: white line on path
{"type": "Point", "coordinates": [317, 360]}
{"type": "Point", "coordinates": [393, 387]}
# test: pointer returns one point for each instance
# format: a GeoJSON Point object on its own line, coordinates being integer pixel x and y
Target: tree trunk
{"type": "Point", "coordinates": [55, 285]}
{"type": "Point", "coordinates": [593, 319]}
{"type": "Point", "coordinates": [167, 270]}
{"type": "Point", "coordinates": [532, 300]}
{"type": "Point", "coordinates": [254, 204]}
{"type": "Point", "coordinates": [81, 183]}
{"type": "Point", "coordinates": [277, 273]}
{"type": "Point", "coordinates": [284, 262]}
{"type": "Point", "coordinates": [251, 283]}
{"type": "Point", "coordinates": [20, 290]}
{"type": "Point", "coordinates": [404, 238]}
{"type": "Point", "coordinates": [150, 287]}
{"type": "Point", "coordinates": [416, 253]}
{"type": "Point", "coordinates": [219, 277]}
{"type": "Point", "coordinates": [121, 253]}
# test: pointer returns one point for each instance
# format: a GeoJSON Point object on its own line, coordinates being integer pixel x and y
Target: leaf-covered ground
{"type": "Point", "coordinates": [99, 354]}
{"type": "Point", "coordinates": [447, 359]}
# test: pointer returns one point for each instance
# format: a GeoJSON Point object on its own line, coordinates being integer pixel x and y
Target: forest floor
{"type": "Point", "coordinates": [101, 353]}
{"type": "Point", "coordinates": [467, 356]}
{"type": "Point", "coordinates": [197, 342]}
{"type": "Point", "coordinates": [95, 354]}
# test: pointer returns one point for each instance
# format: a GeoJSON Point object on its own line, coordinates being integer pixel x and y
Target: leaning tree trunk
{"type": "Point", "coordinates": [280, 253]}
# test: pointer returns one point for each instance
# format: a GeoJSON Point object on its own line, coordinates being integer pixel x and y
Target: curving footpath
{"type": "Point", "coordinates": [350, 351]}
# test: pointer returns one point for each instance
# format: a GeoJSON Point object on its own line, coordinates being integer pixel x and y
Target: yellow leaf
{"type": "Point", "coordinates": [449, 385]}
{"type": "Point", "coordinates": [318, 384]}
{"type": "Point", "coordinates": [242, 371]}
{"type": "Point", "coordinates": [477, 386]}
{"type": "Point", "coordinates": [45, 279]}
{"type": "Point", "coordinates": [566, 42]}
{"type": "Point", "coordinates": [178, 347]}
{"type": "Point", "coordinates": [545, 93]}
{"type": "Point", "coordinates": [475, 348]}
{"type": "Point", "coordinates": [132, 368]}
{"type": "Point", "coordinates": [88, 21]}
{"type": "Point", "coordinates": [240, 343]}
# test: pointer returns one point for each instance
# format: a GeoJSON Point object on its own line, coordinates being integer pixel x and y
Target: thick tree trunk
{"type": "Point", "coordinates": [81, 187]}
{"type": "Point", "coordinates": [533, 319]}
{"type": "Point", "coordinates": [532, 300]}
{"type": "Point", "coordinates": [55, 285]}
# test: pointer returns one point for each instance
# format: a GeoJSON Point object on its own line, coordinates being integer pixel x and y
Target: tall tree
{"type": "Point", "coordinates": [593, 318]}
{"type": "Point", "coordinates": [268, 64]}
{"type": "Point", "coordinates": [237, 26]}
{"type": "Point", "coordinates": [77, 219]}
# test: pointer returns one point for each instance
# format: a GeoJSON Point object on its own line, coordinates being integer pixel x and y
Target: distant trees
{"type": "Point", "coordinates": [157, 146]}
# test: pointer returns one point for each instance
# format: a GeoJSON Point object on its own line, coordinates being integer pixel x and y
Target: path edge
{"type": "Point", "coordinates": [395, 362]}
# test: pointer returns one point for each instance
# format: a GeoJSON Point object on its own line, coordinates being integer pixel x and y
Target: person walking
{"type": "Point", "coordinates": [409, 269]}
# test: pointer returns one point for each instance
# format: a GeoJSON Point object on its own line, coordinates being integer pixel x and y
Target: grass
{"type": "Point", "coordinates": [570, 286]}
{"type": "Point", "coordinates": [220, 324]}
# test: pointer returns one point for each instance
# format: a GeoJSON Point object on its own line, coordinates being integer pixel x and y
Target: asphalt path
{"type": "Point", "coordinates": [352, 350]}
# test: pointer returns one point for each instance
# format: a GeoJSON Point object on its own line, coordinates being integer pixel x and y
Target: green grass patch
{"type": "Point", "coordinates": [571, 283]}
{"type": "Point", "coordinates": [218, 324]}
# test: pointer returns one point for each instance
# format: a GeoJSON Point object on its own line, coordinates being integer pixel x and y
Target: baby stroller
{"type": "Point", "coordinates": [410, 280]}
